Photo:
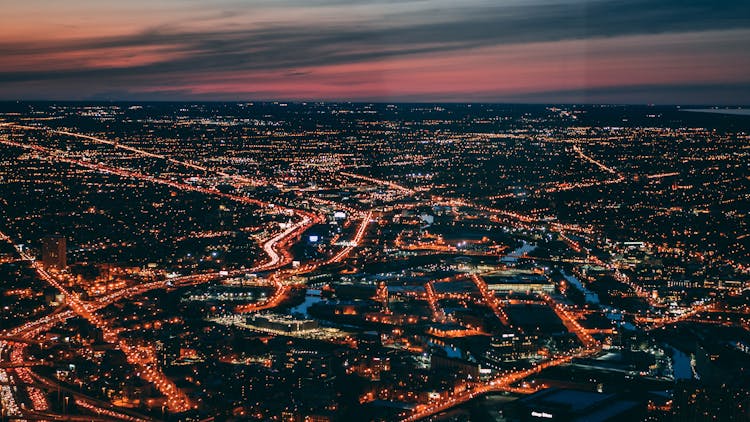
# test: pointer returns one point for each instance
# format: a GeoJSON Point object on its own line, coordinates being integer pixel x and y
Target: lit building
{"type": "Point", "coordinates": [282, 323]}
{"type": "Point", "coordinates": [54, 252]}
{"type": "Point", "coordinates": [520, 283]}
{"type": "Point", "coordinates": [510, 347]}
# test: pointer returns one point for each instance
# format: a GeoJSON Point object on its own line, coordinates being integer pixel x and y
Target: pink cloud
{"type": "Point", "coordinates": [669, 59]}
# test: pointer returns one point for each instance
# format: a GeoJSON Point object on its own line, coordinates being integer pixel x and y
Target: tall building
{"type": "Point", "coordinates": [54, 252]}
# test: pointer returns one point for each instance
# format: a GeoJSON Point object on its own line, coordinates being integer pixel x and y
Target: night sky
{"type": "Point", "coordinates": [595, 51]}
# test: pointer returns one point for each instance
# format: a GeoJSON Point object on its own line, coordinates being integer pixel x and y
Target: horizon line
{"type": "Point", "coordinates": [448, 102]}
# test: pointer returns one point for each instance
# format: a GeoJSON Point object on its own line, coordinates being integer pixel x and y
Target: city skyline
{"type": "Point", "coordinates": [600, 51]}
{"type": "Point", "coordinates": [375, 210]}
{"type": "Point", "coordinates": [385, 262]}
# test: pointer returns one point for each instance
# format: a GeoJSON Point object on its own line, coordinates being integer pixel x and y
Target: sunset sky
{"type": "Point", "coordinates": [614, 51]}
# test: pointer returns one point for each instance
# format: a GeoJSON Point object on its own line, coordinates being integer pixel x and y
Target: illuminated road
{"type": "Point", "coordinates": [437, 312]}
{"type": "Point", "coordinates": [520, 218]}
{"type": "Point", "coordinates": [139, 151]}
{"type": "Point", "coordinates": [489, 299]}
{"type": "Point", "coordinates": [177, 400]}
{"type": "Point", "coordinates": [571, 323]}
{"type": "Point", "coordinates": [361, 230]}
{"type": "Point", "coordinates": [278, 278]}
{"type": "Point", "coordinates": [58, 156]}
{"type": "Point", "coordinates": [653, 323]}
{"type": "Point", "coordinates": [31, 329]}
{"type": "Point", "coordinates": [106, 410]}
{"type": "Point", "coordinates": [593, 161]}
{"type": "Point", "coordinates": [503, 382]}
{"type": "Point", "coordinates": [7, 397]}
{"type": "Point", "coordinates": [517, 219]}
{"type": "Point", "coordinates": [391, 185]}
{"type": "Point", "coordinates": [142, 358]}
{"type": "Point", "coordinates": [270, 247]}
{"type": "Point", "coordinates": [308, 219]}
{"type": "Point", "coordinates": [277, 248]}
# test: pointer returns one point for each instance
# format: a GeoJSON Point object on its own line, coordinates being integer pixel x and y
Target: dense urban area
{"type": "Point", "coordinates": [385, 262]}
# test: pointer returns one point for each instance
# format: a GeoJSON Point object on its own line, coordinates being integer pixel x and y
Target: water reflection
{"type": "Point", "coordinates": [312, 296]}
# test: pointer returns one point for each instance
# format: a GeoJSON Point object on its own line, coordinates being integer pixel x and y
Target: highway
{"type": "Point", "coordinates": [361, 230]}
{"type": "Point", "coordinates": [278, 279]}
{"type": "Point", "coordinates": [142, 358]}
{"type": "Point", "coordinates": [146, 368]}
{"type": "Point", "coordinates": [277, 249]}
